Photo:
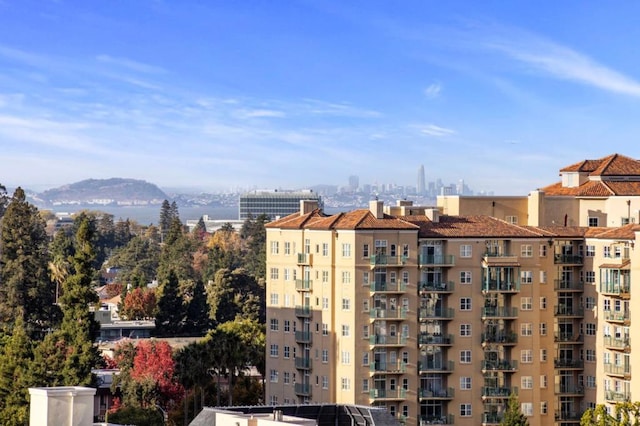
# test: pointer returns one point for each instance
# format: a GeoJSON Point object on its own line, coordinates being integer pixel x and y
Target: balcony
{"type": "Point", "coordinates": [303, 389]}
{"type": "Point", "coordinates": [388, 367]}
{"type": "Point", "coordinates": [435, 314]}
{"type": "Point", "coordinates": [388, 287]}
{"type": "Point", "coordinates": [569, 390]}
{"type": "Point", "coordinates": [435, 367]}
{"type": "Point", "coordinates": [566, 286]}
{"type": "Point", "coordinates": [493, 259]}
{"type": "Point", "coordinates": [565, 311]}
{"type": "Point", "coordinates": [616, 289]}
{"type": "Point", "coordinates": [387, 394]}
{"type": "Point", "coordinates": [303, 337]}
{"type": "Point", "coordinates": [495, 286]}
{"type": "Point", "coordinates": [619, 317]}
{"type": "Point", "coordinates": [498, 391]}
{"type": "Point", "coordinates": [437, 260]}
{"type": "Point", "coordinates": [499, 312]}
{"type": "Point", "coordinates": [305, 259]}
{"type": "Point", "coordinates": [569, 416]}
{"type": "Point", "coordinates": [567, 259]}
{"type": "Point", "coordinates": [436, 287]}
{"type": "Point", "coordinates": [568, 364]}
{"type": "Point", "coordinates": [506, 366]}
{"type": "Point", "coordinates": [623, 371]}
{"type": "Point", "coordinates": [435, 339]}
{"type": "Point", "coordinates": [303, 363]}
{"type": "Point", "coordinates": [384, 340]}
{"type": "Point", "coordinates": [441, 394]}
{"type": "Point", "coordinates": [436, 420]}
{"type": "Point", "coordinates": [490, 419]}
{"type": "Point", "coordinates": [617, 343]}
{"type": "Point", "coordinates": [386, 260]}
{"type": "Point", "coordinates": [303, 311]}
{"type": "Point", "coordinates": [613, 396]}
{"type": "Point", "coordinates": [501, 338]}
{"type": "Point", "coordinates": [576, 338]}
{"type": "Point", "coordinates": [388, 313]}
{"type": "Point", "coordinates": [304, 285]}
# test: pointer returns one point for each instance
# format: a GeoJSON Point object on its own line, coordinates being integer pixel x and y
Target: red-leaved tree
{"type": "Point", "coordinates": [139, 304]}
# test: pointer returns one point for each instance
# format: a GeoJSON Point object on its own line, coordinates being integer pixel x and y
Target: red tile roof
{"type": "Point", "coordinates": [612, 165]}
{"type": "Point", "coordinates": [356, 219]}
{"type": "Point", "coordinates": [471, 226]}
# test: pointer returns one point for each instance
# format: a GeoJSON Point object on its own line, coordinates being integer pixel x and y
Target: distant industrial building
{"type": "Point", "coordinates": [274, 204]}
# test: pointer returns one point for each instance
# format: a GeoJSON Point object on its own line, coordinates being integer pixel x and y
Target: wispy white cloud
{"type": "Point", "coordinates": [131, 64]}
{"type": "Point", "coordinates": [339, 109]}
{"type": "Point", "coordinates": [433, 91]}
{"type": "Point", "coordinates": [437, 131]}
{"type": "Point", "coordinates": [258, 113]}
{"type": "Point", "coordinates": [560, 61]}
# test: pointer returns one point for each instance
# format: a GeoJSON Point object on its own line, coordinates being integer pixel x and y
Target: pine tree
{"type": "Point", "coordinates": [25, 287]}
{"type": "Point", "coordinates": [15, 362]}
{"type": "Point", "coordinates": [513, 416]}
{"type": "Point", "coordinates": [171, 312]}
{"type": "Point", "coordinates": [198, 311]}
{"type": "Point", "coordinates": [165, 218]}
{"type": "Point", "coordinates": [4, 199]}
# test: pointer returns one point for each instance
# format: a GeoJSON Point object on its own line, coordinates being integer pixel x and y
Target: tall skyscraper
{"type": "Point", "coordinates": [421, 188]}
{"type": "Point", "coordinates": [354, 183]}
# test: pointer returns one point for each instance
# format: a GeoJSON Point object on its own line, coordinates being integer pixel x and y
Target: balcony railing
{"type": "Point", "coordinates": [435, 313]}
{"type": "Point", "coordinates": [435, 339]}
{"type": "Point", "coordinates": [567, 285]}
{"type": "Point", "coordinates": [304, 258]}
{"type": "Point", "coordinates": [621, 343]}
{"type": "Point", "coordinates": [491, 419]}
{"type": "Point", "coordinates": [495, 286]}
{"type": "Point", "coordinates": [387, 393]}
{"type": "Point", "coordinates": [499, 312]}
{"type": "Point", "coordinates": [568, 311]}
{"type": "Point", "coordinates": [303, 337]}
{"type": "Point", "coordinates": [436, 420]}
{"type": "Point", "coordinates": [618, 370]}
{"type": "Point", "coordinates": [304, 285]}
{"type": "Point", "coordinates": [384, 259]}
{"type": "Point", "coordinates": [569, 389]}
{"type": "Point", "coordinates": [570, 416]}
{"type": "Point", "coordinates": [435, 367]}
{"type": "Point", "coordinates": [388, 287]}
{"type": "Point", "coordinates": [503, 338]}
{"type": "Point", "coordinates": [617, 316]}
{"type": "Point", "coordinates": [437, 287]}
{"type": "Point", "coordinates": [566, 363]}
{"type": "Point", "coordinates": [615, 289]}
{"type": "Point", "coordinates": [617, 396]}
{"type": "Point", "coordinates": [437, 260]}
{"type": "Point", "coordinates": [303, 311]}
{"type": "Point", "coordinates": [567, 259]}
{"type": "Point", "coordinates": [498, 391]}
{"type": "Point", "coordinates": [499, 365]}
{"type": "Point", "coordinates": [384, 340]}
{"type": "Point", "coordinates": [388, 367]}
{"type": "Point", "coordinates": [303, 363]}
{"type": "Point", "coordinates": [303, 389]}
{"type": "Point", "coordinates": [568, 338]}
{"type": "Point", "coordinates": [388, 313]}
{"type": "Point", "coordinates": [444, 393]}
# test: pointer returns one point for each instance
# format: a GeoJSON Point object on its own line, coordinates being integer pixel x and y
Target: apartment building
{"type": "Point", "coordinates": [440, 318]}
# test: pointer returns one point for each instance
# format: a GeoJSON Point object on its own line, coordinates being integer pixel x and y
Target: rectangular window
{"type": "Point", "coordinates": [590, 329]}
{"type": "Point", "coordinates": [365, 331]}
{"type": "Point", "coordinates": [365, 385]}
{"type": "Point", "coordinates": [273, 350]}
{"type": "Point", "coordinates": [274, 299]}
{"type": "Point", "coordinates": [526, 382]}
{"type": "Point", "coordinates": [526, 303]}
{"type": "Point", "coordinates": [274, 247]}
{"type": "Point", "coordinates": [273, 376]}
{"type": "Point", "coordinates": [365, 250]}
{"type": "Point", "coordinates": [526, 356]}
{"type": "Point", "coordinates": [465, 277]}
{"type": "Point", "coordinates": [592, 221]}
{"type": "Point", "coordinates": [465, 357]}
{"type": "Point", "coordinates": [274, 273]}
{"type": "Point", "coordinates": [527, 408]}
{"type": "Point", "coordinates": [345, 383]}
{"type": "Point", "coordinates": [543, 250]}
{"type": "Point", "coordinates": [345, 330]}
{"type": "Point", "coordinates": [286, 274]}
{"type": "Point", "coordinates": [465, 303]}
{"type": "Point", "coordinates": [465, 330]}
{"type": "Point", "coordinates": [325, 329]}
{"type": "Point", "coordinates": [286, 351]}
{"type": "Point", "coordinates": [526, 250]}
{"type": "Point", "coordinates": [544, 408]}
{"type": "Point", "coordinates": [543, 381]}
{"type": "Point", "coordinates": [543, 328]}
{"type": "Point", "coordinates": [590, 382]}
{"type": "Point", "coordinates": [590, 302]}
{"type": "Point", "coordinates": [325, 356]}
{"type": "Point", "coordinates": [590, 355]}
{"type": "Point", "coordinates": [325, 382]}
{"type": "Point", "coordinates": [606, 250]}
{"type": "Point", "coordinates": [325, 303]}
{"type": "Point", "coordinates": [346, 250]}
{"type": "Point", "coordinates": [287, 326]}
{"type": "Point", "coordinates": [365, 358]}
{"type": "Point", "coordinates": [465, 250]}
{"type": "Point", "coordinates": [511, 219]}
{"type": "Point", "coordinates": [346, 304]}
{"type": "Point", "coordinates": [543, 355]}
{"type": "Point", "coordinates": [346, 277]}
{"type": "Point", "coordinates": [286, 377]}
{"type": "Point", "coordinates": [345, 357]}
{"type": "Point", "coordinates": [526, 277]}
{"type": "Point", "coordinates": [287, 248]}
{"type": "Point", "coordinates": [325, 276]}
{"type": "Point", "coordinates": [465, 410]}
{"type": "Point", "coordinates": [590, 277]}
{"type": "Point", "coordinates": [543, 302]}
{"type": "Point", "coordinates": [590, 251]}
{"type": "Point", "coordinates": [543, 277]}
{"type": "Point", "coordinates": [325, 249]}
{"type": "Point", "coordinates": [526, 329]}
{"type": "Point", "coordinates": [273, 324]}
{"type": "Point", "coordinates": [405, 250]}
{"type": "Point", "coordinates": [465, 383]}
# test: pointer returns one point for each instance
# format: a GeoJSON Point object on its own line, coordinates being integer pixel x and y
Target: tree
{"type": "Point", "coordinates": [197, 321]}
{"type": "Point", "coordinates": [626, 414]}
{"type": "Point", "coordinates": [235, 293]}
{"type": "Point", "coordinates": [15, 360]}
{"type": "Point", "coordinates": [138, 260]}
{"type": "Point", "coordinates": [4, 199]}
{"type": "Point", "coordinates": [254, 234]}
{"type": "Point", "coordinates": [171, 311]}
{"type": "Point", "coordinates": [513, 416]}
{"type": "Point", "coordinates": [25, 287]}
{"type": "Point", "coordinates": [139, 304]}
{"type": "Point", "coordinates": [200, 229]}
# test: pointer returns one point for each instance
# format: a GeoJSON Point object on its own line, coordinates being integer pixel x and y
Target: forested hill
{"type": "Point", "coordinates": [104, 191]}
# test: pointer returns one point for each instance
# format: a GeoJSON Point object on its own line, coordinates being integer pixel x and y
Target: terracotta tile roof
{"type": "Point", "coordinates": [612, 165]}
{"type": "Point", "coordinates": [624, 188]}
{"type": "Point", "coordinates": [594, 189]}
{"type": "Point", "coordinates": [626, 232]}
{"type": "Point", "coordinates": [471, 226]}
{"type": "Point", "coordinates": [356, 219]}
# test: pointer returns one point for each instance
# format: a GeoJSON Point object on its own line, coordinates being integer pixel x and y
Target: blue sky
{"type": "Point", "coordinates": [218, 95]}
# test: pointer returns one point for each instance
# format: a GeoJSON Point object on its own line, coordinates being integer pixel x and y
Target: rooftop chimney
{"type": "Point", "coordinates": [433, 214]}
{"type": "Point", "coordinates": [61, 406]}
{"type": "Point", "coordinates": [307, 206]}
{"type": "Point", "coordinates": [377, 208]}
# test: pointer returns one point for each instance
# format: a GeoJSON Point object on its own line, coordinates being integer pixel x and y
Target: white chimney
{"type": "Point", "coordinates": [377, 208]}
{"type": "Point", "coordinates": [61, 406]}
{"type": "Point", "coordinates": [307, 206]}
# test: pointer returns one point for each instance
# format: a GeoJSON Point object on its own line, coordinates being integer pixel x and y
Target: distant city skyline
{"type": "Point", "coordinates": [214, 96]}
